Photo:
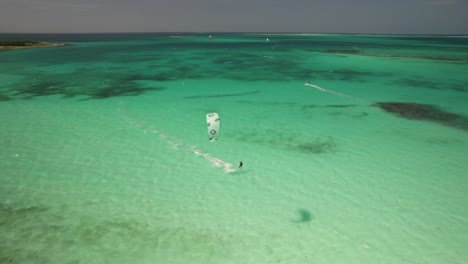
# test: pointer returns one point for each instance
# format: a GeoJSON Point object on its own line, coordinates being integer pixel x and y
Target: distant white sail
{"type": "Point", "coordinates": [213, 122]}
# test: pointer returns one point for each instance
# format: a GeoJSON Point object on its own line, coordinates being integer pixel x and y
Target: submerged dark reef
{"type": "Point", "coordinates": [288, 140]}
{"type": "Point", "coordinates": [416, 111]}
{"type": "Point", "coordinates": [396, 55]}
{"type": "Point", "coordinates": [304, 216]}
{"type": "Point", "coordinates": [121, 90]}
{"type": "Point", "coordinates": [317, 146]}
{"type": "Point", "coordinates": [252, 62]}
{"type": "Point", "coordinates": [422, 82]}
{"type": "Point", "coordinates": [221, 95]}
{"type": "Point", "coordinates": [38, 89]}
{"type": "Point", "coordinates": [335, 111]}
{"type": "Point", "coordinates": [123, 86]}
{"type": "Point", "coordinates": [161, 59]}
{"type": "Point", "coordinates": [37, 233]}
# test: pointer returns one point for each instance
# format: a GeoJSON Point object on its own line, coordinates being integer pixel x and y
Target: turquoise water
{"type": "Point", "coordinates": [105, 158]}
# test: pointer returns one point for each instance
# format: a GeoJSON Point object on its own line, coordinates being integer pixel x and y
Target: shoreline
{"type": "Point", "coordinates": [34, 45]}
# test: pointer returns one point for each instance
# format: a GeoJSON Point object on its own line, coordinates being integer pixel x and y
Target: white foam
{"type": "Point", "coordinates": [228, 167]}
{"type": "Point", "coordinates": [335, 93]}
{"type": "Point", "coordinates": [264, 56]}
{"type": "Point", "coordinates": [177, 144]}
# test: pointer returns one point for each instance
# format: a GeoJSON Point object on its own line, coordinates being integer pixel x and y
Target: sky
{"type": "Point", "coordinates": [304, 16]}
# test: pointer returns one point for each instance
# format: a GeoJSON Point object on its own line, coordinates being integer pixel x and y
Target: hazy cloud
{"type": "Point", "coordinates": [442, 2]}
{"type": "Point", "coordinates": [319, 16]}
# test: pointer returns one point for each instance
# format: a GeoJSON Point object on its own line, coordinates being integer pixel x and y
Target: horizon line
{"type": "Point", "coordinates": [242, 32]}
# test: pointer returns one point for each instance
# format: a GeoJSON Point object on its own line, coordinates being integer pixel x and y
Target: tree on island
{"type": "Point", "coordinates": [20, 43]}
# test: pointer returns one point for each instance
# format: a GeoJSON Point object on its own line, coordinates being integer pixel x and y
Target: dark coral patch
{"type": "Point", "coordinates": [221, 95]}
{"type": "Point", "coordinates": [4, 97]}
{"type": "Point", "coordinates": [42, 229]}
{"type": "Point", "coordinates": [42, 88]}
{"type": "Point", "coordinates": [304, 216]}
{"type": "Point", "coordinates": [344, 74]}
{"type": "Point", "coordinates": [127, 85]}
{"type": "Point", "coordinates": [416, 111]}
{"type": "Point", "coordinates": [344, 51]}
{"type": "Point", "coordinates": [127, 89]}
{"type": "Point", "coordinates": [422, 83]}
{"type": "Point", "coordinates": [391, 55]}
{"type": "Point", "coordinates": [317, 146]}
{"type": "Point", "coordinates": [424, 112]}
{"type": "Point", "coordinates": [339, 106]}
{"type": "Point", "coordinates": [288, 140]}
{"type": "Point", "coordinates": [418, 83]}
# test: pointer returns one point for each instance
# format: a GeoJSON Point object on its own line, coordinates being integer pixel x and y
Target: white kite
{"type": "Point", "coordinates": [213, 122]}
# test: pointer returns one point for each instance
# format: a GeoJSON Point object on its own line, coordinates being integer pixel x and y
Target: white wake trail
{"type": "Point", "coordinates": [176, 143]}
{"type": "Point", "coordinates": [336, 93]}
{"type": "Point", "coordinates": [228, 167]}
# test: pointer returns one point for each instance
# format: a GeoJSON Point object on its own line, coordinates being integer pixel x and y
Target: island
{"type": "Point", "coordinates": [9, 45]}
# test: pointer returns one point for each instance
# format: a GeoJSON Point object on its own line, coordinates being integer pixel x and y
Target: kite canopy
{"type": "Point", "coordinates": [213, 122]}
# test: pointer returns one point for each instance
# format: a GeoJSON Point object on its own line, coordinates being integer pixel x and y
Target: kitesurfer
{"type": "Point", "coordinates": [240, 165]}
